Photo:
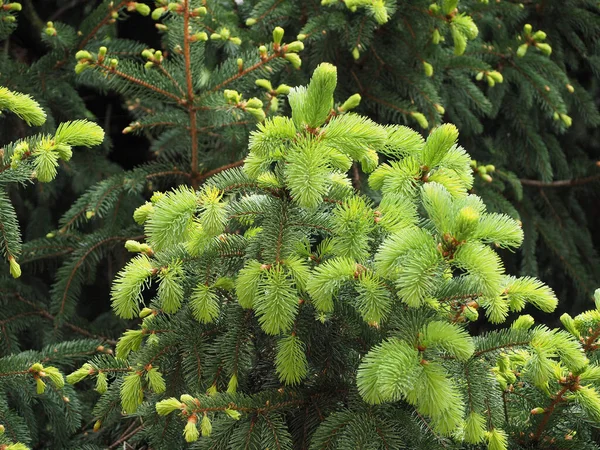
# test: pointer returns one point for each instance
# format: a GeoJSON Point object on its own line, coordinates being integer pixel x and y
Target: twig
{"type": "Point", "coordinates": [560, 183]}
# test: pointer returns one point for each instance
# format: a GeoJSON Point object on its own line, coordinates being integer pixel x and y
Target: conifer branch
{"type": "Point", "coordinates": [44, 313]}
{"type": "Point", "coordinates": [560, 183]}
{"type": "Point", "coordinates": [137, 81]}
{"type": "Point", "coordinates": [105, 20]}
{"type": "Point", "coordinates": [81, 260]}
{"type": "Point", "coordinates": [126, 436]}
{"type": "Point", "coordinates": [190, 92]}
{"type": "Point", "coordinates": [558, 398]}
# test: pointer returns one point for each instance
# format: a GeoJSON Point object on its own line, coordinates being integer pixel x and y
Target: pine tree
{"type": "Point", "coordinates": [481, 66]}
{"type": "Point", "coordinates": [290, 311]}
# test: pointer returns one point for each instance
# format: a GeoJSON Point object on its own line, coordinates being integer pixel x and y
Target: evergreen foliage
{"type": "Point", "coordinates": [235, 268]}
{"type": "Point", "coordinates": [290, 311]}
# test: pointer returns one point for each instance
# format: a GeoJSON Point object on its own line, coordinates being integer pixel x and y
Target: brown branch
{"type": "Point", "coordinates": [139, 82]}
{"type": "Point", "coordinates": [190, 91]}
{"type": "Point", "coordinates": [498, 347]}
{"type": "Point", "coordinates": [548, 412]}
{"type": "Point", "coordinates": [560, 183]}
{"type": "Point", "coordinates": [170, 77]}
{"type": "Point", "coordinates": [127, 436]}
{"type": "Point", "coordinates": [259, 64]}
{"type": "Point", "coordinates": [81, 261]}
{"type": "Point", "coordinates": [42, 312]}
{"type": "Point", "coordinates": [210, 173]}
{"type": "Point", "coordinates": [100, 24]}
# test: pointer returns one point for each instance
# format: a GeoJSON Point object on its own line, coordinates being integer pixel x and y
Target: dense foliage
{"type": "Point", "coordinates": [259, 237]}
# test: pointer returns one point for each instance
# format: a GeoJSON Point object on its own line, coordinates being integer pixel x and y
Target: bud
{"type": "Point", "coordinates": [142, 9]}
{"type": "Point", "coordinates": [201, 11]}
{"type": "Point", "coordinates": [232, 96]}
{"type": "Point", "coordinates": [597, 298]}
{"type": "Point", "coordinates": [355, 53]}
{"type": "Point", "coordinates": [570, 88]}
{"type": "Point", "coordinates": [421, 120]}
{"type": "Point", "coordinates": [158, 12]}
{"type": "Point", "coordinates": [538, 410]}
{"type": "Point", "coordinates": [64, 152]}
{"type": "Point", "coordinates": [265, 84]}
{"type": "Point", "coordinates": [133, 246]}
{"type": "Point", "coordinates": [40, 386]}
{"type": "Point", "coordinates": [187, 399]}
{"type": "Point", "coordinates": [225, 33]}
{"type": "Point", "coordinates": [235, 40]}
{"type": "Point", "coordinates": [294, 59]}
{"type": "Point", "coordinates": [205, 426]}
{"type": "Point", "coordinates": [262, 50]}
{"type": "Point", "coordinates": [141, 213]}
{"type": "Point", "coordinates": [254, 103]}
{"type": "Point", "coordinates": [233, 414]}
{"type": "Point", "coordinates": [145, 312]}
{"type": "Point", "coordinates": [490, 168]}
{"type": "Point", "coordinates": [190, 432]}
{"type": "Point", "coordinates": [215, 36]}
{"type": "Point", "coordinates": [440, 109]}
{"type": "Point", "coordinates": [352, 102]}
{"type": "Point", "coordinates": [301, 37]}
{"type": "Point", "coordinates": [200, 36]}
{"type": "Point", "coordinates": [569, 324]}
{"type": "Point", "coordinates": [522, 50]}
{"type": "Point", "coordinates": [89, 214]}
{"type": "Point", "coordinates": [428, 69]}
{"type": "Point", "coordinates": [83, 54]}
{"type": "Point", "coordinates": [15, 268]}
{"type": "Point", "coordinates": [80, 374]}
{"type": "Point", "coordinates": [240, 64]}
{"type": "Point", "coordinates": [50, 30]}
{"type": "Point", "coordinates": [434, 8]}
{"type": "Point", "coordinates": [250, 21]}
{"type": "Point", "coordinates": [544, 48]}
{"type": "Point", "coordinates": [11, 19]}
{"type": "Point", "coordinates": [278, 35]}
{"type": "Point", "coordinates": [436, 37]}
{"type": "Point", "coordinates": [102, 52]}
{"type": "Point", "coordinates": [527, 28]}
{"type": "Point", "coordinates": [149, 65]}
{"type": "Point", "coordinates": [491, 82]}
{"type": "Point", "coordinates": [539, 36]}
{"type": "Point", "coordinates": [97, 426]}
{"type": "Point", "coordinates": [471, 314]}
{"type": "Point", "coordinates": [167, 406]}
{"type": "Point", "coordinates": [50, 235]}
{"type": "Point", "coordinates": [212, 390]}
{"type": "Point", "coordinates": [497, 76]}
{"type": "Point", "coordinates": [232, 385]}
{"type": "Point", "coordinates": [555, 116]}
{"type": "Point", "coordinates": [294, 47]}
{"type": "Point", "coordinates": [479, 76]}
{"type": "Point", "coordinates": [13, 7]}
{"type": "Point", "coordinates": [283, 89]}
{"type": "Point", "coordinates": [487, 178]}
{"type": "Point", "coordinates": [257, 113]}
{"type": "Point", "coordinates": [113, 63]}
{"type": "Point", "coordinates": [567, 120]}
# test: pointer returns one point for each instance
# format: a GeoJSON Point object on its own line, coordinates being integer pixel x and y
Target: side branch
{"type": "Point", "coordinates": [561, 183]}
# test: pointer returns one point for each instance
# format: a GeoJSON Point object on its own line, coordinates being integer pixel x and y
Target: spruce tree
{"type": "Point", "coordinates": [481, 66]}
{"type": "Point", "coordinates": [290, 311]}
